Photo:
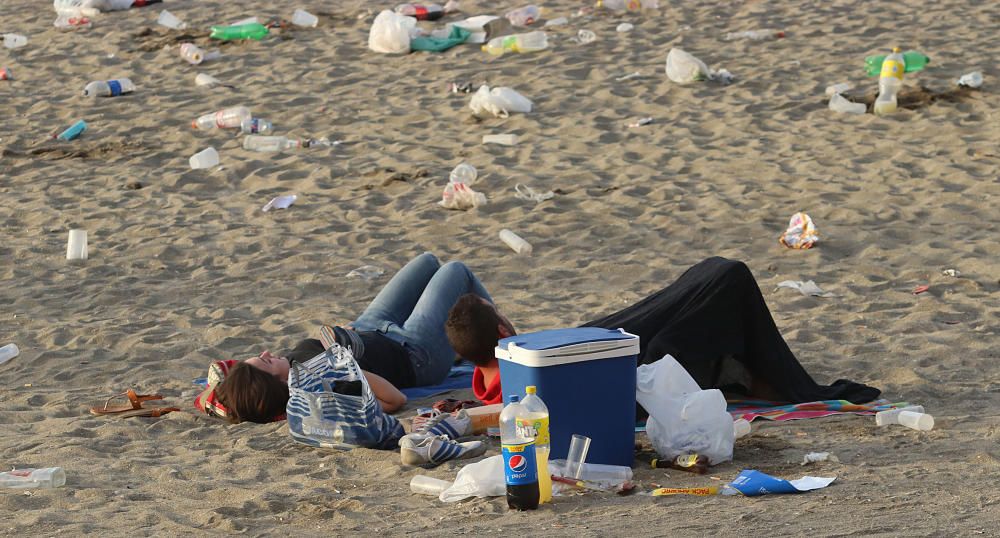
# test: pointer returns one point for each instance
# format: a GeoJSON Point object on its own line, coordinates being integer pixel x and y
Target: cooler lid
{"type": "Point", "coordinates": [564, 346]}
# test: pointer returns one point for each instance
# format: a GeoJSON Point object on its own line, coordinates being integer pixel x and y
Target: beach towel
{"type": "Point", "coordinates": [751, 409]}
{"type": "Point", "coordinates": [460, 377]}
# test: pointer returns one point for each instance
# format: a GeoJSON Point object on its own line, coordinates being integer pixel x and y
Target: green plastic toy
{"type": "Point", "coordinates": [915, 61]}
{"type": "Point", "coordinates": [255, 31]}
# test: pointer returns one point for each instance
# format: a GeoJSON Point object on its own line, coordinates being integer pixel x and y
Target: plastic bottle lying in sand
{"type": "Point", "coordinates": [109, 88]}
{"type": "Point", "coordinates": [255, 31]}
{"type": "Point", "coordinates": [255, 126]}
{"type": "Point", "coordinates": [891, 416]}
{"type": "Point", "coordinates": [525, 16]}
{"type": "Point", "coordinates": [421, 12]}
{"type": "Point", "coordinates": [755, 35]}
{"type": "Point", "coordinates": [265, 144]}
{"type": "Point", "coordinates": [630, 5]}
{"type": "Point", "coordinates": [890, 80]}
{"type": "Point", "coordinates": [14, 41]}
{"type": "Point", "coordinates": [228, 118]}
{"type": "Point", "coordinates": [529, 42]}
{"type": "Point", "coordinates": [52, 477]}
{"type": "Point", "coordinates": [8, 352]}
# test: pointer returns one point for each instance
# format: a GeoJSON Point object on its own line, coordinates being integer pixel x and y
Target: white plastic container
{"type": "Point", "coordinates": [169, 20]}
{"type": "Point", "coordinates": [205, 158]}
{"type": "Point", "coordinates": [76, 245]}
{"type": "Point", "coordinates": [891, 416]}
{"type": "Point", "coordinates": [502, 139]}
{"type": "Point", "coordinates": [109, 88]}
{"type": "Point", "coordinates": [425, 485]}
{"type": "Point", "coordinates": [302, 17]}
{"type": "Point", "coordinates": [52, 477]}
{"type": "Point", "coordinates": [515, 242]}
{"type": "Point", "coordinates": [916, 421]}
{"type": "Point", "coordinates": [192, 54]}
{"type": "Point", "coordinates": [8, 352]}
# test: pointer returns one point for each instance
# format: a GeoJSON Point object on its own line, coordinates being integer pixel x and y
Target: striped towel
{"type": "Point", "coordinates": [318, 416]}
{"type": "Point", "coordinates": [751, 409]}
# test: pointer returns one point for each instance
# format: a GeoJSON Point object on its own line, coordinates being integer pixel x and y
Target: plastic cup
{"type": "Point", "coordinates": [515, 242]}
{"type": "Point", "coordinates": [76, 246]}
{"type": "Point", "coordinates": [302, 17]}
{"type": "Point", "coordinates": [205, 158]}
{"type": "Point", "coordinates": [579, 445]}
{"type": "Point", "coordinates": [426, 485]}
{"type": "Point", "coordinates": [741, 427]}
{"type": "Point", "coordinates": [169, 20]}
{"type": "Point", "coordinates": [891, 416]}
{"type": "Point", "coordinates": [192, 53]}
{"type": "Point", "coordinates": [916, 421]}
{"type": "Point", "coordinates": [502, 139]}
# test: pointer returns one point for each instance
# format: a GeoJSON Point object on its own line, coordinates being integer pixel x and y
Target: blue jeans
{"type": "Point", "coordinates": [413, 307]}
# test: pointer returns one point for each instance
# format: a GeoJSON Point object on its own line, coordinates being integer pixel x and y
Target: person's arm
{"type": "Point", "coordinates": [387, 394]}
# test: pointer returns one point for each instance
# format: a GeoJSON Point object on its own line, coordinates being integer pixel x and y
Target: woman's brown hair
{"type": "Point", "coordinates": [252, 395]}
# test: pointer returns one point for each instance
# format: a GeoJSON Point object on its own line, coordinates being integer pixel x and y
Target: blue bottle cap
{"type": "Point", "coordinates": [513, 398]}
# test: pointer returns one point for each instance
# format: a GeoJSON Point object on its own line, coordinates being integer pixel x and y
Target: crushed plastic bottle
{"type": "Point", "coordinates": [229, 118]}
{"type": "Point", "coordinates": [269, 144]}
{"type": "Point", "coordinates": [109, 88]}
{"type": "Point", "coordinates": [530, 42]}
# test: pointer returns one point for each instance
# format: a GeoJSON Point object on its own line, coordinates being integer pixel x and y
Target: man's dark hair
{"type": "Point", "coordinates": [472, 329]}
{"type": "Point", "coordinates": [252, 395]}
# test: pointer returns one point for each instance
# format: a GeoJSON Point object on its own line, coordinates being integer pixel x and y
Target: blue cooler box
{"type": "Point", "coordinates": [586, 377]}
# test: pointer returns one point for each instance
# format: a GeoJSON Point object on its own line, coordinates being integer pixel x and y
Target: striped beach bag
{"type": "Point", "coordinates": [331, 405]}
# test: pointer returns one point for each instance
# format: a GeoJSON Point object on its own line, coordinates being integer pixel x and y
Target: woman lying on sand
{"type": "Point", "coordinates": [398, 341]}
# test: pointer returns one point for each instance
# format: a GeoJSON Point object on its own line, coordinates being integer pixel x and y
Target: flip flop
{"type": "Point", "coordinates": [153, 412]}
{"type": "Point", "coordinates": [134, 403]}
{"type": "Point", "coordinates": [327, 337]}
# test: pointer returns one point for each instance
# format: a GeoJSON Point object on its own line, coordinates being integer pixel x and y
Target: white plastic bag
{"type": "Point", "coordinates": [390, 33]}
{"type": "Point", "coordinates": [481, 479]}
{"type": "Point", "coordinates": [683, 68]}
{"type": "Point", "coordinates": [682, 417]}
{"type": "Point", "coordinates": [500, 102]}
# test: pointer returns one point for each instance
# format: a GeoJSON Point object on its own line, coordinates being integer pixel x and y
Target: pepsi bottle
{"type": "Point", "coordinates": [520, 467]}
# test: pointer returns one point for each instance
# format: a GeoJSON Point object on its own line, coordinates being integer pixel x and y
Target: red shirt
{"type": "Point", "coordinates": [488, 395]}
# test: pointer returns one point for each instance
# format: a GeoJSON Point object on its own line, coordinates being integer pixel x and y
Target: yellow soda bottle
{"type": "Point", "coordinates": [537, 420]}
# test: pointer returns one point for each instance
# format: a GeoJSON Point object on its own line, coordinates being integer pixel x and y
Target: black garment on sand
{"type": "Point", "coordinates": [714, 321]}
{"type": "Point", "coordinates": [379, 355]}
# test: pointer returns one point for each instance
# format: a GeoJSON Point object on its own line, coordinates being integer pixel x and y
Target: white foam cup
{"type": "Point", "coordinates": [76, 246]}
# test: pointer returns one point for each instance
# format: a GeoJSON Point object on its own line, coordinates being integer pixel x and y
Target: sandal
{"type": "Point", "coordinates": [134, 403]}
{"type": "Point", "coordinates": [153, 412]}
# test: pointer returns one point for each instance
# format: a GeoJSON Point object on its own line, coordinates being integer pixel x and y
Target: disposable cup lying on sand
{"type": "Point", "coordinates": [76, 245]}
{"type": "Point", "coordinates": [426, 485]}
{"type": "Point", "coordinates": [502, 139]}
{"type": "Point", "coordinates": [171, 21]}
{"type": "Point", "coordinates": [302, 17]}
{"type": "Point", "coordinates": [205, 158]}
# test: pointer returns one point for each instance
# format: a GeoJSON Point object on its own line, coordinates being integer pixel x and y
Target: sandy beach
{"type": "Point", "coordinates": [184, 268]}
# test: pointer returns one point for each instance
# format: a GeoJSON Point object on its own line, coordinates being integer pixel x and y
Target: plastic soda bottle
{"type": "Point", "coordinates": [530, 42]}
{"type": "Point", "coordinates": [915, 61]}
{"type": "Point", "coordinates": [519, 467]}
{"type": "Point", "coordinates": [228, 118]}
{"type": "Point", "coordinates": [536, 423]}
{"type": "Point", "coordinates": [52, 477]}
{"type": "Point", "coordinates": [421, 12]}
{"type": "Point", "coordinates": [109, 88]}
{"type": "Point", "coordinates": [255, 31]}
{"type": "Point", "coordinates": [524, 16]}
{"type": "Point", "coordinates": [255, 126]}
{"type": "Point", "coordinates": [890, 80]}
{"type": "Point", "coordinates": [265, 144]}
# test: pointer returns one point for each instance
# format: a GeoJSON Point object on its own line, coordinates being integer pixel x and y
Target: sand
{"type": "Point", "coordinates": [187, 269]}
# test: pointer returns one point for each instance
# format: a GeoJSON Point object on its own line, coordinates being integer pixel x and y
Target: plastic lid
{"type": "Point", "coordinates": [530, 389]}
{"type": "Point", "coordinates": [513, 398]}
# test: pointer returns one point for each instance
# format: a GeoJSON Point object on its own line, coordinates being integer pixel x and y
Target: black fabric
{"type": "Point", "coordinates": [714, 321]}
{"type": "Point", "coordinates": [379, 355]}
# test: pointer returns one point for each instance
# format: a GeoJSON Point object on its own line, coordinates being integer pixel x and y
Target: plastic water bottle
{"type": "Point", "coordinates": [525, 16]}
{"type": "Point", "coordinates": [255, 126]}
{"type": "Point", "coordinates": [890, 80]}
{"type": "Point", "coordinates": [630, 5]}
{"type": "Point", "coordinates": [228, 118]}
{"type": "Point", "coordinates": [8, 352]}
{"type": "Point", "coordinates": [52, 477]}
{"type": "Point", "coordinates": [530, 42]}
{"type": "Point", "coordinates": [536, 423]}
{"type": "Point", "coordinates": [421, 12]}
{"type": "Point", "coordinates": [519, 462]}
{"type": "Point", "coordinates": [266, 144]}
{"type": "Point", "coordinates": [109, 88]}
{"type": "Point", "coordinates": [891, 416]}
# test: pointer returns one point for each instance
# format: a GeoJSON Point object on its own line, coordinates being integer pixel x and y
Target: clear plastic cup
{"type": "Point", "coordinates": [76, 245]}
{"type": "Point", "coordinates": [741, 428]}
{"type": "Point", "coordinates": [579, 445]}
{"type": "Point", "coordinates": [917, 421]}
{"type": "Point", "coordinates": [426, 485]}
{"type": "Point", "coordinates": [205, 158]}
{"type": "Point", "coordinates": [302, 17]}
{"type": "Point", "coordinates": [169, 20]}
{"type": "Point", "coordinates": [192, 53]}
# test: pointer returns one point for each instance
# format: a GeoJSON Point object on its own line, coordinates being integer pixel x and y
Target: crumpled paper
{"type": "Point", "coordinates": [801, 232]}
{"type": "Point", "coordinates": [807, 288]}
{"type": "Point", "coordinates": [461, 196]}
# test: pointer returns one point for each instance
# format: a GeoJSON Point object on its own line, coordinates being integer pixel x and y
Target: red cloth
{"type": "Point", "coordinates": [488, 395]}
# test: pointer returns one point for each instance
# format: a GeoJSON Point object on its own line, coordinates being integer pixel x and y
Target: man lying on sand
{"type": "Point", "coordinates": [713, 320]}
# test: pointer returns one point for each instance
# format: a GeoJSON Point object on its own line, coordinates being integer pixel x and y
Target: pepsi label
{"type": "Point", "coordinates": [519, 465]}
{"type": "Point", "coordinates": [115, 86]}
